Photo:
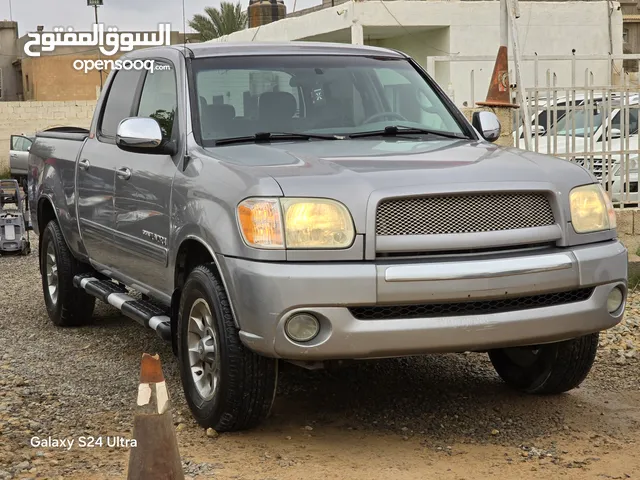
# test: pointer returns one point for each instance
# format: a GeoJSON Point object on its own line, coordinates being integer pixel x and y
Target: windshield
{"type": "Point", "coordinates": [341, 95]}
{"type": "Point", "coordinates": [580, 123]}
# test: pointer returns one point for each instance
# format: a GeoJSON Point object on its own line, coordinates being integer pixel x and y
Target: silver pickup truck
{"type": "Point", "coordinates": [308, 202]}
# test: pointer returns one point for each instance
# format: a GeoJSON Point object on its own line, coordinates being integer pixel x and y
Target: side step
{"type": "Point", "coordinates": [144, 312]}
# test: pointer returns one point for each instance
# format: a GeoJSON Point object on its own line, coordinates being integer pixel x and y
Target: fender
{"type": "Point", "coordinates": [216, 261]}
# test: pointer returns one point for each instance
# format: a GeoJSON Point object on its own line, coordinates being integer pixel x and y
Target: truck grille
{"type": "Point", "coordinates": [480, 307]}
{"type": "Point", "coordinates": [469, 213]}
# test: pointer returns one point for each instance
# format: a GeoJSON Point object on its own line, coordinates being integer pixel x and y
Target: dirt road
{"type": "Point", "coordinates": [441, 417]}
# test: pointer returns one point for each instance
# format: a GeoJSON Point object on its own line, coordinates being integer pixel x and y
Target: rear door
{"type": "Point", "coordinates": [143, 186]}
{"type": "Point", "coordinates": [96, 170]}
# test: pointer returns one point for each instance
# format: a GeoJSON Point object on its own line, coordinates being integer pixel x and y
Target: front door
{"type": "Point", "coordinates": [19, 155]}
{"type": "Point", "coordinates": [96, 170]}
{"type": "Point", "coordinates": [143, 190]}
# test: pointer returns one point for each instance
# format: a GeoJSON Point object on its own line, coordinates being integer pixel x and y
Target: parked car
{"type": "Point", "coordinates": [548, 116]}
{"type": "Point", "coordinates": [311, 202]}
{"type": "Point", "coordinates": [583, 134]}
{"type": "Point", "coordinates": [19, 156]}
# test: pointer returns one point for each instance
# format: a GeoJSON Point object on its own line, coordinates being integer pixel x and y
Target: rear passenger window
{"type": "Point", "coordinates": [159, 99]}
{"type": "Point", "coordinates": [120, 101]}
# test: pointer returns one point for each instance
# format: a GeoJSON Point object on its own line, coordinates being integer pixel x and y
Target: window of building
{"type": "Point", "coordinates": [625, 35]}
{"type": "Point", "coordinates": [159, 99]}
{"type": "Point", "coordinates": [27, 82]}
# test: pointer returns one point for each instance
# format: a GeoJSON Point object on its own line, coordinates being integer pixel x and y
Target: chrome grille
{"type": "Point", "coordinates": [471, 213]}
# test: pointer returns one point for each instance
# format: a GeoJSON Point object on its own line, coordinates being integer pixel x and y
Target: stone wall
{"type": "Point", "coordinates": [28, 117]}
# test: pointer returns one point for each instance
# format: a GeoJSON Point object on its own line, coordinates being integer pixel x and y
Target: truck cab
{"type": "Point", "coordinates": [310, 202]}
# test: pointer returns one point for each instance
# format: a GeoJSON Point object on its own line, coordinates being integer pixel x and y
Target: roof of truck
{"type": "Point", "coordinates": [212, 49]}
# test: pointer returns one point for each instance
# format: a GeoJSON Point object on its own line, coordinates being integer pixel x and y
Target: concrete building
{"type": "Point", "coordinates": [10, 81]}
{"type": "Point", "coordinates": [631, 31]}
{"type": "Point", "coordinates": [435, 28]}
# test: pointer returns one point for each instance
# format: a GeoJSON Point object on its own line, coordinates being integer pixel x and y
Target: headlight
{"type": "Point", "coordinates": [591, 209]}
{"type": "Point", "coordinates": [295, 223]}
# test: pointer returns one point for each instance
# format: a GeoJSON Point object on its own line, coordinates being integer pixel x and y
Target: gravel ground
{"type": "Point", "coordinates": [448, 416]}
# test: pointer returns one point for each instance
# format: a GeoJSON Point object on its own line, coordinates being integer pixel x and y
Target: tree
{"type": "Point", "coordinates": [218, 22]}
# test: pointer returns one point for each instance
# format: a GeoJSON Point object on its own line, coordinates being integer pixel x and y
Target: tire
{"type": "Point", "coordinates": [245, 386]}
{"type": "Point", "coordinates": [66, 305]}
{"type": "Point", "coordinates": [553, 368]}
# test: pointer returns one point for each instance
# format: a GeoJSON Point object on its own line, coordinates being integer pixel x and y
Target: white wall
{"type": "Point", "coordinates": [468, 28]}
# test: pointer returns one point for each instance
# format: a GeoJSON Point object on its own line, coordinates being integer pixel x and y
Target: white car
{"type": "Point", "coordinates": [585, 136]}
{"type": "Point", "coordinates": [543, 109]}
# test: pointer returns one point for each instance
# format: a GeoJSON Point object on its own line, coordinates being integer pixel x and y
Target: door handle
{"type": "Point", "coordinates": [84, 164]}
{"type": "Point", "coordinates": [124, 173]}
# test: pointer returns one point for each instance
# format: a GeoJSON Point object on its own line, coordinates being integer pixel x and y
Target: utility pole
{"type": "Point", "coordinates": [95, 4]}
{"type": "Point", "coordinates": [499, 94]}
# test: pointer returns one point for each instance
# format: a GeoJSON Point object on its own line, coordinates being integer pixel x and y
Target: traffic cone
{"type": "Point", "coordinates": [155, 455]}
{"type": "Point", "coordinates": [499, 94]}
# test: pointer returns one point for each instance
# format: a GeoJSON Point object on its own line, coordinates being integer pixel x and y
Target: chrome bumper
{"type": "Point", "coordinates": [265, 295]}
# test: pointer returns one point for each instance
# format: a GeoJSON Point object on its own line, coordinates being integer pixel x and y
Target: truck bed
{"type": "Point", "coordinates": [54, 154]}
{"type": "Point", "coordinates": [77, 134]}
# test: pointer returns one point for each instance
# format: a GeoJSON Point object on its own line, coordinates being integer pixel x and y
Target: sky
{"type": "Point", "coordinates": [132, 15]}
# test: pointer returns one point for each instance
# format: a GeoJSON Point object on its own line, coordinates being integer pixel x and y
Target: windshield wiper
{"type": "Point", "coordinates": [259, 137]}
{"type": "Point", "coordinates": [395, 130]}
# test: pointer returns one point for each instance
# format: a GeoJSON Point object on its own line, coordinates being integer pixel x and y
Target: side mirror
{"type": "Point", "coordinates": [487, 124]}
{"type": "Point", "coordinates": [615, 133]}
{"type": "Point", "coordinates": [139, 134]}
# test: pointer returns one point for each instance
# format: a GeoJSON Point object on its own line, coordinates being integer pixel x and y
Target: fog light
{"type": "Point", "coordinates": [615, 299]}
{"type": "Point", "coordinates": [302, 327]}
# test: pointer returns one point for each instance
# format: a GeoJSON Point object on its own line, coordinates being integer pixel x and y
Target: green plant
{"type": "Point", "coordinates": [5, 171]}
{"type": "Point", "coordinates": [633, 281]}
{"type": "Point", "coordinates": [227, 19]}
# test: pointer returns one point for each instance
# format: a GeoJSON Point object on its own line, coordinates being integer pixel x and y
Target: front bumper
{"type": "Point", "coordinates": [265, 295]}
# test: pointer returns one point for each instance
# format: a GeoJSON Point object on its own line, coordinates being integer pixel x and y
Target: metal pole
{"type": "Point", "coordinates": [522, 97]}
{"type": "Point", "coordinates": [99, 54]}
{"type": "Point", "coordinates": [10, 12]}
{"type": "Point", "coordinates": [504, 23]}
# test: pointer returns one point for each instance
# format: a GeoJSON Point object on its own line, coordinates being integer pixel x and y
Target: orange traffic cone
{"type": "Point", "coordinates": [155, 455]}
{"type": "Point", "coordinates": [499, 94]}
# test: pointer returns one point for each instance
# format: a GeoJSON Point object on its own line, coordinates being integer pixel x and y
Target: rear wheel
{"type": "Point", "coordinates": [547, 369]}
{"type": "Point", "coordinates": [227, 386]}
{"type": "Point", "coordinates": [66, 304]}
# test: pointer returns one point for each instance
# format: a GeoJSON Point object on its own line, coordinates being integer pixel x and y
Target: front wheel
{"type": "Point", "coordinates": [547, 369]}
{"type": "Point", "coordinates": [227, 386]}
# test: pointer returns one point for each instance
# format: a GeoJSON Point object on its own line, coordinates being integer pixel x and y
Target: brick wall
{"type": "Point", "coordinates": [29, 117]}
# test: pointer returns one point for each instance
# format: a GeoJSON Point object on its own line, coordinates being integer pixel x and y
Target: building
{"type": "Point", "coordinates": [10, 80]}
{"type": "Point", "coordinates": [432, 29]}
{"type": "Point", "coordinates": [631, 31]}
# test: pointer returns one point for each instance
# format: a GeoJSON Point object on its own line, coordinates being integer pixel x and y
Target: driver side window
{"type": "Point", "coordinates": [159, 99]}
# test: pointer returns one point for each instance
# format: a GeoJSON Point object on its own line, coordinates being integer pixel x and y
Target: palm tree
{"type": "Point", "coordinates": [218, 22]}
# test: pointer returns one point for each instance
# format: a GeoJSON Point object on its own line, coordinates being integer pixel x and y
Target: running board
{"type": "Point", "coordinates": [144, 312]}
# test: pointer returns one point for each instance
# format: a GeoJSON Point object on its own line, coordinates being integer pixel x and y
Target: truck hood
{"type": "Point", "coordinates": [351, 170]}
